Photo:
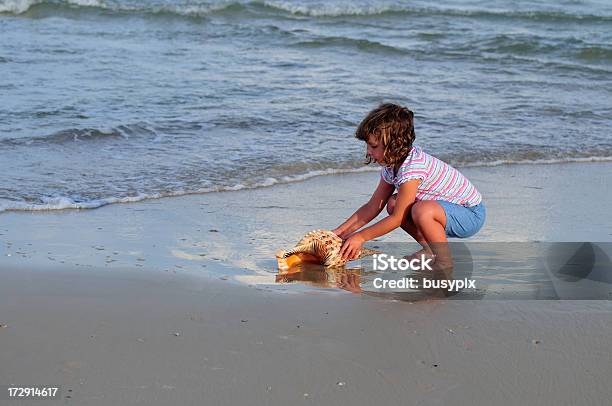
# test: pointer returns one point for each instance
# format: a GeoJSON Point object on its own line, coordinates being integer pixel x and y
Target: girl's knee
{"type": "Point", "coordinates": [423, 211]}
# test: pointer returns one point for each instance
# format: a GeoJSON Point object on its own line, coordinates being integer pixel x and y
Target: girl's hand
{"type": "Point", "coordinates": [351, 247]}
{"type": "Point", "coordinates": [338, 233]}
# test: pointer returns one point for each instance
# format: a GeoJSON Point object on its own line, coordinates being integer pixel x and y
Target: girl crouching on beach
{"type": "Point", "coordinates": [433, 200]}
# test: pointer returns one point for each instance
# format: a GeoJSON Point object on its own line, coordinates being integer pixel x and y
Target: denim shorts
{"type": "Point", "coordinates": [461, 221]}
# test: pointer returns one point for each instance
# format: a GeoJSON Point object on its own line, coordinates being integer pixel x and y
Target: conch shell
{"type": "Point", "coordinates": [317, 247]}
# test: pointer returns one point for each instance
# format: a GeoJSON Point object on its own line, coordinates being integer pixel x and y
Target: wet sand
{"type": "Point", "coordinates": [175, 301]}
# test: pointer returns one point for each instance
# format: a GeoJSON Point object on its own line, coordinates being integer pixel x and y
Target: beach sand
{"type": "Point", "coordinates": [174, 301]}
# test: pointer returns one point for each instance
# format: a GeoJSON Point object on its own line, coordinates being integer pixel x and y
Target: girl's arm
{"type": "Point", "coordinates": [367, 212]}
{"type": "Point", "coordinates": [405, 198]}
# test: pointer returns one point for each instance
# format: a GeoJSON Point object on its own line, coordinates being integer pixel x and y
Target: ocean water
{"type": "Point", "coordinates": [107, 101]}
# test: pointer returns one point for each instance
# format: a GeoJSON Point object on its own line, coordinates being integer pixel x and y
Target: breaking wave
{"type": "Point", "coordinates": [82, 134]}
{"type": "Point", "coordinates": [67, 202]}
{"type": "Point", "coordinates": [312, 10]}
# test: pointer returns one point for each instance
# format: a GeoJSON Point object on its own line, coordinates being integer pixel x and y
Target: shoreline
{"type": "Point", "coordinates": [287, 180]}
{"type": "Point", "coordinates": [241, 230]}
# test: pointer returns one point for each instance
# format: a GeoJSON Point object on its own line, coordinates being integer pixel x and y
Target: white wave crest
{"type": "Point", "coordinates": [319, 9]}
{"type": "Point", "coordinates": [21, 6]}
{"type": "Point", "coordinates": [501, 162]}
{"type": "Point", "coordinates": [322, 9]}
{"type": "Point", "coordinates": [17, 6]}
{"type": "Point", "coordinates": [63, 202]}
{"type": "Point", "coordinates": [313, 9]}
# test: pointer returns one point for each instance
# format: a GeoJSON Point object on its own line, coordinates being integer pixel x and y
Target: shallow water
{"type": "Point", "coordinates": [104, 101]}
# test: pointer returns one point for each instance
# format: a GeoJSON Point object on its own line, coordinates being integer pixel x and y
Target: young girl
{"type": "Point", "coordinates": [433, 199]}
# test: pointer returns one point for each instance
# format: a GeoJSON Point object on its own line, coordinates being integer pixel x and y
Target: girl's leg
{"type": "Point", "coordinates": [427, 225]}
{"type": "Point", "coordinates": [409, 226]}
{"type": "Point", "coordinates": [429, 218]}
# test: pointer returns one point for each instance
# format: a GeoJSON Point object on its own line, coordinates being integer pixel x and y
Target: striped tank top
{"type": "Point", "coordinates": [439, 180]}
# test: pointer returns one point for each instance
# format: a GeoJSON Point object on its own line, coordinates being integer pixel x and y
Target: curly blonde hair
{"type": "Point", "coordinates": [393, 125]}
